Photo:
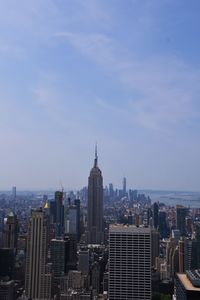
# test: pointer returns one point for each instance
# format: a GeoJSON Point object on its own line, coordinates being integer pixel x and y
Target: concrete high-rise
{"type": "Point", "coordinates": [11, 231]}
{"type": "Point", "coordinates": [95, 204]}
{"type": "Point", "coordinates": [84, 261]}
{"type": "Point", "coordinates": [129, 262]}
{"type": "Point", "coordinates": [38, 273]}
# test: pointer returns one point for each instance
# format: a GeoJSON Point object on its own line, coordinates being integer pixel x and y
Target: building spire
{"type": "Point", "coordinates": [96, 157]}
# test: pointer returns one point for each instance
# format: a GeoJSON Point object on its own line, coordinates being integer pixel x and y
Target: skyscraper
{"type": "Point", "coordinates": [7, 262]}
{"type": "Point", "coordinates": [124, 186]}
{"type": "Point", "coordinates": [155, 246]}
{"type": "Point", "coordinates": [181, 213]}
{"type": "Point", "coordinates": [95, 204]}
{"type": "Point", "coordinates": [72, 219]}
{"type": "Point", "coordinates": [11, 231]}
{"type": "Point", "coordinates": [162, 224]}
{"type": "Point", "coordinates": [155, 215]}
{"type": "Point", "coordinates": [84, 261]}
{"type": "Point", "coordinates": [77, 203]}
{"type": "Point", "coordinates": [1, 226]}
{"type": "Point", "coordinates": [111, 190]}
{"type": "Point", "coordinates": [181, 254]}
{"type": "Point", "coordinates": [71, 252]}
{"type": "Point", "coordinates": [14, 194]}
{"type": "Point", "coordinates": [129, 262]}
{"type": "Point", "coordinates": [38, 275]}
{"type": "Point", "coordinates": [58, 256]}
{"type": "Point", "coordinates": [59, 212]}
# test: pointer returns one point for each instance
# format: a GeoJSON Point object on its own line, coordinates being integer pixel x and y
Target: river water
{"type": "Point", "coordinates": [172, 198]}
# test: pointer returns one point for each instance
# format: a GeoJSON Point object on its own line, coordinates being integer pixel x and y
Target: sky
{"type": "Point", "coordinates": [122, 73]}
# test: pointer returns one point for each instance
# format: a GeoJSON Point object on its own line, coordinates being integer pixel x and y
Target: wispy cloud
{"type": "Point", "coordinates": [164, 89]}
{"type": "Point", "coordinates": [131, 70]}
{"type": "Point", "coordinates": [12, 50]}
{"type": "Point", "coordinates": [98, 47]}
{"type": "Point", "coordinates": [60, 111]}
{"type": "Point", "coordinates": [95, 11]}
{"type": "Point", "coordinates": [50, 101]}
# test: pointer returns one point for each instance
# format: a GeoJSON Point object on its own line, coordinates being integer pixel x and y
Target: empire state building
{"type": "Point", "coordinates": [95, 204]}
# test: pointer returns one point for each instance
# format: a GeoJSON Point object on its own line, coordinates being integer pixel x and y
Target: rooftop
{"type": "Point", "coordinates": [194, 276]}
{"type": "Point", "coordinates": [128, 228]}
{"type": "Point", "coordinates": [187, 283]}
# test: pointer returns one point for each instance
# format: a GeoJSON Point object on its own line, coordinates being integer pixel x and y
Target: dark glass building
{"type": "Point", "coordinates": [181, 213]}
{"type": "Point", "coordinates": [7, 261]}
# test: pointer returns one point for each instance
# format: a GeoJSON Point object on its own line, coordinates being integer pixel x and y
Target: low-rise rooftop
{"type": "Point", "coordinates": [187, 283]}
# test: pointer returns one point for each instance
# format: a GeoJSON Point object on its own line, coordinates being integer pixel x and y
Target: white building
{"type": "Point", "coordinates": [129, 263]}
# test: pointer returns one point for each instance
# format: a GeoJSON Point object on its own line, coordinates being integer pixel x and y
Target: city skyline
{"type": "Point", "coordinates": [122, 73]}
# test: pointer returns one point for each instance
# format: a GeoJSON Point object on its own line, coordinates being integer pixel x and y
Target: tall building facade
{"type": "Point", "coordinates": [58, 256]}
{"type": "Point", "coordinates": [84, 261]}
{"type": "Point", "coordinates": [1, 226]}
{"type": "Point", "coordinates": [95, 204]}
{"type": "Point", "coordinates": [38, 274]}
{"type": "Point", "coordinates": [129, 263]}
{"type": "Point", "coordinates": [155, 215]}
{"type": "Point", "coordinates": [72, 219]}
{"type": "Point", "coordinates": [59, 212]}
{"type": "Point", "coordinates": [11, 231]}
{"type": "Point", "coordinates": [124, 186]}
{"type": "Point", "coordinates": [71, 252]}
{"type": "Point", "coordinates": [155, 246]}
{"type": "Point", "coordinates": [162, 224]}
{"type": "Point", "coordinates": [181, 254]}
{"type": "Point", "coordinates": [7, 262]}
{"type": "Point", "coordinates": [7, 290]}
{"type": "Point", "coordinates": [181, 214]}
{"type": "Point", "coordinates": [78, 206]}
{"type": "Point", "coordinates": [14, 197]}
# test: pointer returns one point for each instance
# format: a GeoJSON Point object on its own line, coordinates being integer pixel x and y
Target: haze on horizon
{"type": "Point", "coordinates": [123, 73]}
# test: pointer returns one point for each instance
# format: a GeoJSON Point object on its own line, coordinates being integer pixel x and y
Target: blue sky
{"type": "Point", "coordinates": [123, 73]}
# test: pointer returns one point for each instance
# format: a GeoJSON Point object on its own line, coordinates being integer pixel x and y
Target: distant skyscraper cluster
{"type": "Point", "coordinates": [97, 243]}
